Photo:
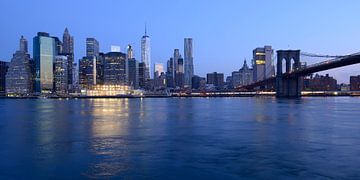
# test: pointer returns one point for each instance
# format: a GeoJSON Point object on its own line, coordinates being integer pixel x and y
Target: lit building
{"type": "Point", "coordinates": [20, 75]}
{"type": "Point", "coordinates": [355, 83]}
{"type": "Point", "coordinates": [216, 79]}
{"type": "Point", "coordinates": [87, 72]}
{"type": "Point", "coordinates": [92, 47]}
{"type": "Point", "coordinates": [108, 90]}
{"type": "Point", "coordinates": [263, 63]}
{"type": "Point", "coordinates": [61, 74]}
{"type": "Point", "coordinates": [115, 68]}
{"type": "Point", "coordinates": [145, 55]}
{"type": "Point", "coordinates": [188, 61]}
{"type": "Point", "coordinates": [44, 54]}
{"type": "Point", "coordinates": [68, 51]}
{"type": "Point", "coordinates": [3, 70]}
{"type": "Point", "coordinates": [242, 77]}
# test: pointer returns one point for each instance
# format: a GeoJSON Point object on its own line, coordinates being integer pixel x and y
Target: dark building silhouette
{"type": "Point", "coordinates": [132, 73]}
{"type": "Point", "coordinates": [3, 70]}
{"type": "Point", "coordinates": [217, 79]}
{"type": "Point", "coordinates": [198, 82]}
{"type": "Point", "coordinates": [355, 83]}
{"type": "Point", "coordinates": [320, 83]}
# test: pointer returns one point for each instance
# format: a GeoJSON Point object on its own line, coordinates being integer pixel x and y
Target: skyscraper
{"type": "Point", "coordinates": [19, 78]}
{"type": "Point", "coordinates": [263, 64]}
{"type": "Point", "coordinates": [130, 52]}
{"type": "Point", "coordinates": [87, 72]}
{"type": "Point", "coordinates": [115, 68]}
{"type": "Point", "coordinates": [44, 54]}
{"type": "Point", "coordinates": [188, 61]}
{"type": "Point", "coordinates": [68, 50]}
{"type": "Point", "coordinates": [61, 74]}
{"type": "Point", "coordinates": [92, 47]}
{"type": "Point", "coordinates": [145, 54]}
{"type": "Point", "coordinates": [132, 73]}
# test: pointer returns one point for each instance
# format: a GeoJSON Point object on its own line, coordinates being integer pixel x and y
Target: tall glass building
{"type": "Point", "coordinates": [145, 54]}
{"type": "Point", "coordinates": [188, 61]}
{"type": "Point", "coordinates": [61, 74]}
{"type": "Point", "coordinates": [68, 50]}
{"type": "Point", "coordinates": [44, 52]}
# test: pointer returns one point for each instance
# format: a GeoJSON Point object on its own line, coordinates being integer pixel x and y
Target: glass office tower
{"type": "Point", "coordinates": [44, 54]}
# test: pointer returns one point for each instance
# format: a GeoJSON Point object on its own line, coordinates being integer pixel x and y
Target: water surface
{"type": "Point", "coordinates": [180, 138]}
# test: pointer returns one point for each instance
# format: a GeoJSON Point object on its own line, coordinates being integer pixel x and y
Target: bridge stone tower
{"type": "Point", "coordinates": [288, 85]}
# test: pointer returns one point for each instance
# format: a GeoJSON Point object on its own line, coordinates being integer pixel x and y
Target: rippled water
{"type": "Point", "coordinates": [174, 138]}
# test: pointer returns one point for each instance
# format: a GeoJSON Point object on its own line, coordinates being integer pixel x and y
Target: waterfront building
{"type": "Point", "coordinates": [61, 74]}
{"type": "Point", "coordinates": [198, 82]}
{"type": "Point", "coordinates": [132, 72]}
{"type": "Point", "coordinates": [145, 55]}
{"type": "Point", "coordinates": [3, 70]}
{"type": "Point", "coordinates": [68, 51]}
{"type": "Point", "coordinates": [108, 90]}
{"type": "Point", "coordinates": [216, 79]}
{"type": "Point", "coordinates": [87, 72]}
{"type": "Point", "coordinates": [188, 62]}
{"type": "Point", "coordinates": [20, 73]}
{"type": "Point", "coordinates": [44, 52]}
{"type": "Point", "coordinates": [355, 83]}
{"type": "Point", "coordinates": [320, 83]}
{"type": "Point", "coordinates": [263, 63]}
{"type": "Point", "coordinates": [242, 77]}
{"type": "Point", "coordinates": [92, 47]}
{"type": "Point", "coordinates": [115, 68]}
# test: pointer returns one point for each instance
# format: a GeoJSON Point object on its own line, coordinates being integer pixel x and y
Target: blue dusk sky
{"type": "Point", "coordinates": [225, 32]}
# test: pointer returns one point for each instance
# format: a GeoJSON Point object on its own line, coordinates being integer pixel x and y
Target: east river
{"type": "Point", "coordinates": [180, 138]}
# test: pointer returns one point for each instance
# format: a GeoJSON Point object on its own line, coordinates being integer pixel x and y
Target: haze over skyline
{"type": "Point", "coordinates": [224, 33]}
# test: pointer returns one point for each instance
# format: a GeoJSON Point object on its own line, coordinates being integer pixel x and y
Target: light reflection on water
{"type": "Point", "coordinates": [173, 138]}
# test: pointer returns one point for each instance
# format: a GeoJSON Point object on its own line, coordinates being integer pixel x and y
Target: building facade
{"type": "Point", "coordinates": [188, 62]}
{"type": "Point", "coordinates": [242, 77]}
{"type": "Point", "coordinates": [92, 47]}
{"type": "Point", "coordinates": [263, 63]}
{"type": "Point", "coordinates": [20, 75]}
{"type": "Point", "coordinates": [216, 79]}
{"type": "Point", "coordinates": [115, 68]}
{"type": "Point", "coordinates": [61, 74]}
{"type": "Point", "coordinates": [132, 73]}
{"type": "Point", "coordinates": [44, 52]}
{"type": "Point", "coordinates": [355, 83]}
{"type": "Point", "coordinates": [87, 72]}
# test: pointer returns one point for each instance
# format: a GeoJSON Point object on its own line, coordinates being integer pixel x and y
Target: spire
{"type": "Point", "coordinates": [66, 31]}
{"type": "Point", "coordinates": [145, 30]}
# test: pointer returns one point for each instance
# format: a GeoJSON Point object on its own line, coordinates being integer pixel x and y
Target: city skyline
{"type": "Point", "coordinates": [235, 42]}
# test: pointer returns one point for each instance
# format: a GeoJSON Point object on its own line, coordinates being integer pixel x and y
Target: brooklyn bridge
{"type": "Point", "coordinates": [288, 81]}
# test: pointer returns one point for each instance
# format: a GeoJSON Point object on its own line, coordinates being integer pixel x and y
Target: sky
{"type": "Point", "coordinates": [224, 32]}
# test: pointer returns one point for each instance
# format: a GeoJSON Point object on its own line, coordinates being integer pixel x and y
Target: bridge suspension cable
{"type": "Point", "coordinates": [320, 55]}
